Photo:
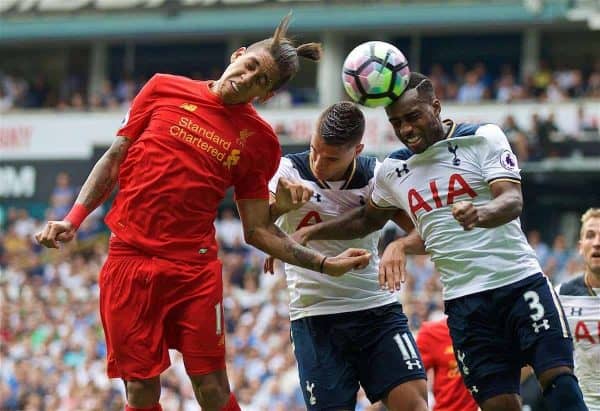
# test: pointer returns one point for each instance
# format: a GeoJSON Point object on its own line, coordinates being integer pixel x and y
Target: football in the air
{"type": "Point", "coordinates": [375, 73]}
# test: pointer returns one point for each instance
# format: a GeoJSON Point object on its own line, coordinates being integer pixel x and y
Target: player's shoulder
{"type": "Point", "coordinates": [393, 161]}
{"type": "Point", "coordinates": [364, 169]}
{"type": "Point", "coordinates": [164, 78]}
{"type": "Point", "coordinates": [575, 287]}
{"type": "Point", "coordinates": [363, 173]}
{"type": "Point", "coordinates": [402, 154]}
{"type": "Point", "coordinates": [301, 162]}
{"type": "Point", "coordinates": [489, 133]}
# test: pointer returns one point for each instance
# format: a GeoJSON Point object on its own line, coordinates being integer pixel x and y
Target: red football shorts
{"type": "Point", "coordinates": [149, 304]}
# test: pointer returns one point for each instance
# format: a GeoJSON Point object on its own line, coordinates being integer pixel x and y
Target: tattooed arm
{"type": "Point", "coordinates": [104, 175]}
{"type": "Point", "coordinates": [261, 233]}
{"type": "Point", "coordinates": [95, 190]}
{"type": "Point", "coordinates": [355, 223]}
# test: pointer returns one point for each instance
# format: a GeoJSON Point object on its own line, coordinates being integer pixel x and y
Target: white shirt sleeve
{"type": "Point", "coordinates": [285, 169]}
{"type": "Point", "coordinates": [498, 160]}
{"type": "Point", "coordinates": [381, 196]}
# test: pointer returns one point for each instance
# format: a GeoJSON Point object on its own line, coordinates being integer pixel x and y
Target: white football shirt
{"type": "Point", "coordinates": [426, 185]}
{"type": "Point", "coordinates": [582, 309]}
{"type": "Point", "coordinates": [313, 293]}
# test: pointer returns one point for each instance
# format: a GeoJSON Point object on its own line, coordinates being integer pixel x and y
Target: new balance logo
{"type": "Point", "coordinates": [404, 170]}
{"type": "Point", "coordinates": [409, 354]}
{"type": "Point", "coordinates": [542, 324]}
{"type": "Point", "coordinates": [189, 107]}
{"type": "Point", "coordinates": [309, 389]}
{"type": "Point", "coordinates": [461, 359]}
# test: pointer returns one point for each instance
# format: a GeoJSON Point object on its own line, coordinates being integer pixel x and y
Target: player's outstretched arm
{"type": "Point", "coordinates": [261, 233]}
{"type": "Point", "coordinates": [356, 223]}
{"type": "Point", "coordinates": [95, 190]}
{"type": "Point", "coordinates": [506, 205]}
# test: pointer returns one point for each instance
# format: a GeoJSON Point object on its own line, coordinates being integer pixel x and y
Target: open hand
{"type": "Point", "coordinates": [392, 267]}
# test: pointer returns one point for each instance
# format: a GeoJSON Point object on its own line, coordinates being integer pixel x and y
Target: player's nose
{"type": "Point", "coordinates": [406, 129]}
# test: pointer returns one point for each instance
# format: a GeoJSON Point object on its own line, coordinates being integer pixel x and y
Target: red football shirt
{"type": "Point", "coordinates": [187, 149]}
{"type": "Point", "coordinates": [449, 390]}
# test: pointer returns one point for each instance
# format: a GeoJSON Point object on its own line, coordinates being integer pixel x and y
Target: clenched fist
{"type": "Point", "coordinates": [55, 232]}
{"type": "Point", "coordinates": [466, 214]}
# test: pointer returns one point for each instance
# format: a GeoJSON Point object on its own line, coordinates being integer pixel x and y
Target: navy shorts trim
{"type": "Point", "coordinates": [337, 352]}
{"type": "Point", "coordinates": [496, 332]}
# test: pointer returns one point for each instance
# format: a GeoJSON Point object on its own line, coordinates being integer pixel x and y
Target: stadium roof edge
{"type": "Point", "coordinates": [307, 18]}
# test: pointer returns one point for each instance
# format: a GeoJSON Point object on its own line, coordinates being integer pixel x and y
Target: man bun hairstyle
{"type": "Point", "coordinates": [285, 54]}
{"type": "Point", "coordinates": [341, 123]}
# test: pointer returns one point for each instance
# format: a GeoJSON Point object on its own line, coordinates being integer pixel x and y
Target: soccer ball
{"type": "Point", "coordinates": [375, 73]}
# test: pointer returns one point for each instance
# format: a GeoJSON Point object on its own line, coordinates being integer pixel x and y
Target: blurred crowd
{"type": "Point", "coordinates": [548, 84]}
{"type": "Point", "coordinates": [461, 83]}
{"type": "Point", "coordinates": [52, 348]}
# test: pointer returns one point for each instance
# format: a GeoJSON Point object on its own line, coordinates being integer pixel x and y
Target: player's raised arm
{"type": "Point", "coordinates": [95, 190]}
{"type": "Point", "coordinates": [261, 233]}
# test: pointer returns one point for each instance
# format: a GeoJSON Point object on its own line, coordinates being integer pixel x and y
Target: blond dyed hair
{"type": "Point", "coordinates": [589, 214]}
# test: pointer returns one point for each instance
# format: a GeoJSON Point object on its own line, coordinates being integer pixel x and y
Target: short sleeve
{"type": "Point", "coordinates": [137, 117]}
{"type": "Point", "coordinates": [424, 345]}
{"type": "Point", "coordinates": [285, 170]}
{"type": "Point", "coordinates": [253, 183]}
{"type": "Point", "coordinates": [381, 197]}
{"type": "Point", "coordinates": [498, 160]}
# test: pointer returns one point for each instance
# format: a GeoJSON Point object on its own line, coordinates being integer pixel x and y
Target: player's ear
{"type": "Point", "coordinates": [237, 53]}
{"type": "Point", "coordinates": [359, 149]}
{"type": "Point", "coordinates": [437, 106]}
{"type": "Point", "coordinates": [579, 250]}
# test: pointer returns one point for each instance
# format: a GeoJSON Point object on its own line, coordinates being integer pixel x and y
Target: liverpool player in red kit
{"type": "Point", "coordinates": [181, 145]}
{"type": "Point", "coordinates": [449, 390]}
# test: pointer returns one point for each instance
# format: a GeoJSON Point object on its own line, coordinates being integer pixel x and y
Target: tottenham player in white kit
{"type": "Point", "coordinates": [345, 330]}
{"type": "Point", "coordinates": [580, 298]}
{"type": "Point", "coordinates": [460, 185]}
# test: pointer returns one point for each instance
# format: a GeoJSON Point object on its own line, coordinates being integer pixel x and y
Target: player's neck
{"type": "Point", "coordinates": [591, 279]}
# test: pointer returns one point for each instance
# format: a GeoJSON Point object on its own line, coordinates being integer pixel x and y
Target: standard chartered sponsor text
{"type": "Point", "coordinates": [198, 136]}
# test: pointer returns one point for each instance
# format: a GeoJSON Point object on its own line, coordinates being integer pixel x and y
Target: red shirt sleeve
{"type": "Point", "coordinates": [139, 113]}
{"type": "Point", "coordinates": [253, 181]}
{"type": "Point", "coordinates": [425, 344]}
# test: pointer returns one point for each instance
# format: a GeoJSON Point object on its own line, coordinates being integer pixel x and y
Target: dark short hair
{"type": "Point", "coordinates": [341, 123]}
{"type": "Point", "coordinates": [285, 54]}
{"type": "Point", "coordinates": [423, 85]}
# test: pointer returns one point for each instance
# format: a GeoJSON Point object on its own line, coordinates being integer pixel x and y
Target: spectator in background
{"type": "Point", "coordinates": [62, 196]}
{"type": "Point", "coordinates": [559, 256]}
{"type": "Point", "coordinates": [229, 229]}
{"type": "Point", "coordinates": [472, 91]}
{"type": "Point", "coordinates": [542, 251]}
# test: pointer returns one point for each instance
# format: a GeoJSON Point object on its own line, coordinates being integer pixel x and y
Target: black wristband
{"type": "Point", "coordinates": [322, 264]}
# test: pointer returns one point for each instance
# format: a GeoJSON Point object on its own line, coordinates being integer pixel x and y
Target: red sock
{"type": "Point", "coordinates": [156, 407]}
{"type": "Point", "coordinates": [232, 404]}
